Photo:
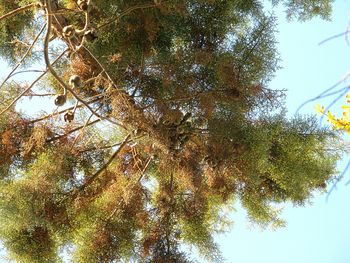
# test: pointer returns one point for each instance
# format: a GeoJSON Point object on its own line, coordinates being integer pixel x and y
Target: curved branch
{"type": "Point", "coordinates": [59, 79]}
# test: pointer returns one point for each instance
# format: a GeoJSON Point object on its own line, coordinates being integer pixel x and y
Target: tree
{"type": "Point", "coordinates": [163, 119]}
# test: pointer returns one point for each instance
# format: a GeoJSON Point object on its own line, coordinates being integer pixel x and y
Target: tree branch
{"type": "Point", "coordinates": [31, 86]}
{"type": "Point", "coordinates": [104, 167]}
{"type": "Point", "coordinates": [18, 10]}
{"type": "Point", "coordinates": [62, 111]}
{"type": "Point", "coordinates": [71, 131]}
{"type": "Point", "coordinates": [24, 56]}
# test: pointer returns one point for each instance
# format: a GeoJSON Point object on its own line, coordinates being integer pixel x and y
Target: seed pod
{"type": "Point", "coordinates": [68, 116]}
{"type": "Point", "coordinates": [83, 4]}
{"type": "Point", "coordinates": [68, 31]}
{"type": "Point", "coordinates": [60, 100]}
{"type": "Point", "coordinates": [91, 35]}
{"type": "Point", "coordinates": [75, 81]}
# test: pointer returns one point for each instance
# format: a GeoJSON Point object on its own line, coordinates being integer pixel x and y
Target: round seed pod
{"type": "Point", "coordinates": [60, 100]}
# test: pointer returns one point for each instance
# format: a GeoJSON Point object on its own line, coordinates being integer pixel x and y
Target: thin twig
{"type": "Point", "coordinates": [319, 96]}
{"type": "Point", "coordinates": [100, 148]}
{"type": "Point", "coordinates": [62, 111]}
{"type": "Point", "coordinates": [333, 37]}
{"type": "Point", "coordinates": [28, 71]}
{"type": "Point", "coordinates": [24, 56]}
{"type": "Point", "coordinates": [18, 10]}
{"type": "Point", "coordinates": [126, 12]}
{"type": "Point", "coordinates": [85, 125]}
{"type": "Point", "coordinates": [145, 167]}
{"type": "Point", "coordinates": [142, 68]}
{"type": "Point", "coordinates": [31, 86]}
{"type": "Point", "coordinates": [334, 186]}
{"type": "Point", "coordinates": [104, 167]}
{"type": "Point", "coordinates": [71, 131]}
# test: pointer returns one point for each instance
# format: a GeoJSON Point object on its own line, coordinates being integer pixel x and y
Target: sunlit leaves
{"type": "Point", "coordinates": [341, 123]}
{"type": "Point", "coordinates": [187, 81]}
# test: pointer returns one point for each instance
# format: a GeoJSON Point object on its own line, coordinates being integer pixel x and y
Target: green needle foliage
{"type": "Point", "coordinates": [173, 123]}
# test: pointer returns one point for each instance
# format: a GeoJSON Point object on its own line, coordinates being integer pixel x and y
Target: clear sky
{"type": "Point", "coordinates": [319, 232]}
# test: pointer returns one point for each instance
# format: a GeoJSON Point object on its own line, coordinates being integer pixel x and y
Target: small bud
{"type": "Point", "coordinates": [60, 100]}
{"type": "Point", "coordinates": [75, 81]}
{"type": "Point", "coordinates": [68, 116]}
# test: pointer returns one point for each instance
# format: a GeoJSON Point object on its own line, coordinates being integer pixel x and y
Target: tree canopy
{"type": "Point", "coordinates": [158, 118]}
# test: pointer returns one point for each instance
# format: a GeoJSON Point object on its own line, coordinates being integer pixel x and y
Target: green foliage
{"type": "Point", "coordinates": [180, 125]}
{"type": "Point", "coordinates": [15, 30]}
{"type": "Point", "coordinates": [305, 10]}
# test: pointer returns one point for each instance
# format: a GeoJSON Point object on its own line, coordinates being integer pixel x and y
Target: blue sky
{"type": "Point", "coordinates": [319, 232]}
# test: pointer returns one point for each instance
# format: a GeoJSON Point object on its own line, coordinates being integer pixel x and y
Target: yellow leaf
{"type": "Point", "coordinates": [331, 117]}
{"type": "Point", "coordinates": [319, 108]}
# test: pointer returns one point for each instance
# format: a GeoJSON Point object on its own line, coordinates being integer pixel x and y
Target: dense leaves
{"type": "Point", "coordinates": [158, 119]}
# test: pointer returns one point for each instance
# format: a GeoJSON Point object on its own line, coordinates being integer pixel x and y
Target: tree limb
{"type": "Point", "coordinates": [104, 167]}
{"type": "Point", "coordinates": [18, 10]}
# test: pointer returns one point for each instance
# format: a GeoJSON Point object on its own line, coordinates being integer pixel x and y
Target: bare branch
{"type": "Point", "coordinates": [101, 148]}
{"type": "Point", "coordinates": [85, 125]}
{"type": "Point", "coordinates": [145, 167]}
